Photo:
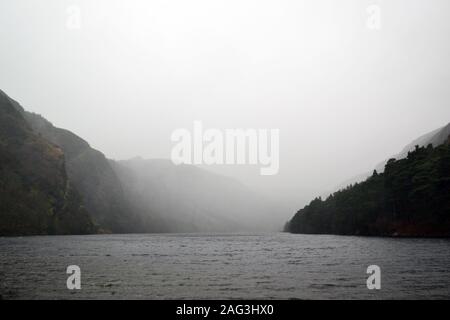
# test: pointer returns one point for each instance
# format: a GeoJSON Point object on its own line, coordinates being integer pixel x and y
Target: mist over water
{"type": "Point", "coordinates": [344, 96]}
{"type": "Point", "coordinates": [223, 266]}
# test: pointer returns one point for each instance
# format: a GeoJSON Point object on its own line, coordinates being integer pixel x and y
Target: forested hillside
{"type": "Point", "coordinates": [410, 198]}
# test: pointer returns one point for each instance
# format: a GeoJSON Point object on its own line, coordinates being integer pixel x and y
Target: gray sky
{"type": "Point", "coordinates": [344, 96]}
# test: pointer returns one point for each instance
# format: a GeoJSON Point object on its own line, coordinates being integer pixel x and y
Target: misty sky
{"type": "Point", "coordinates": [344, 96]}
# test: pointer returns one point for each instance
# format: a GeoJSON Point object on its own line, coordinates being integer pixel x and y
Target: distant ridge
{"type": "Point", "coordinates": [185, 198]}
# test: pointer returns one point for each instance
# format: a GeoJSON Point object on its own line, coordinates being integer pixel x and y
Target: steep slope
{"type": "Point", "coordinates": [410, 198]}
{"type": "Point", "coordinates": [185, 198]}
{"type": "Point", "coordinates": [435, 138]}
{"type": "Point", "coordinates": [93, 177]}
{"type": "Point", "coordinates": [36, 197]}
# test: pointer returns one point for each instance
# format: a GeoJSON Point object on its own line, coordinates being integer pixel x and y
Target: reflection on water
{"type": "Point", "coordinates": [201, 266]}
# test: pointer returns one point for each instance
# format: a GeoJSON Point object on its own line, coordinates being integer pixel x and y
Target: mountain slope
{"type": "Point", "coordinates": [135, 195]}
{"type": "Point", "coordinates": [410, 198]}
{"type": "Point", "coordinates": [435, 138]}
{"type": "Point", "coordinates": [184, 198]}
{"type": "Point", "coordinates": [93, 177]}
{"type": "Point", "coordinates": [36, 197]}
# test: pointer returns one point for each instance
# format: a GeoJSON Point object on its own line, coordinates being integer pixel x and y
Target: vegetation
{"type": "Point", "coordinates": [53, 182]}
{"type": "Point", "coordinates": [36, 196]}
{"type": "Point", "coordinates": [91, 174]}
{"type": "Point", "coordinates": [411, 198]}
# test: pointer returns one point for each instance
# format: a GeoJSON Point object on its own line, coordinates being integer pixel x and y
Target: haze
{"type": "Point", "coordinates": [344, 96]}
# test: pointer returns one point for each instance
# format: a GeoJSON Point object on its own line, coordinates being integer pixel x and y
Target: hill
{"type": "Point", "coordinates": [36, 196]}
{"type": "Point", "coordinates": [435, 138]}
{"type": "Point", "coordinates": [410, 198]}
{"type": "Point", "coordinates": [184, 198]}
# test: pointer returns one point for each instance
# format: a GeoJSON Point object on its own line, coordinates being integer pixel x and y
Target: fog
{"type": "Point", "coordinates": [126, 74]}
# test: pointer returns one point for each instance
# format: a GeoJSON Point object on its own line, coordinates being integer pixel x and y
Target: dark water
{"type": "Point", "coordinates": [233, 266]}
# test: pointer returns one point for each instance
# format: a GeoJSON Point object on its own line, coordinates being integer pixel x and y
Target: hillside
{"type": "Point", "coordinates": [184, 198]}
{"type": "Point", "coordinates": [435, 138]}
{"type": "Point", "coordinates": [410, 198]}
{"type": "Point", "coordinates": [155, 195]}
{"type": "Point", "coordinates": [36, 196]}
{"type": "Point", "coordinates": [92, 175]}
{"type": "Point", "coordinates": [117, 196]}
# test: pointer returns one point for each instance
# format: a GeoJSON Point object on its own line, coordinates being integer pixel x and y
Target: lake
{"type": "Point", "coordinates": [223, 266]}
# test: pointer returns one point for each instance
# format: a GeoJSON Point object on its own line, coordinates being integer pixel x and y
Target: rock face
{"type": "Point", "coordinates": [92, 175]}
{"type": "Point", "coordinates": [36, 196]}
